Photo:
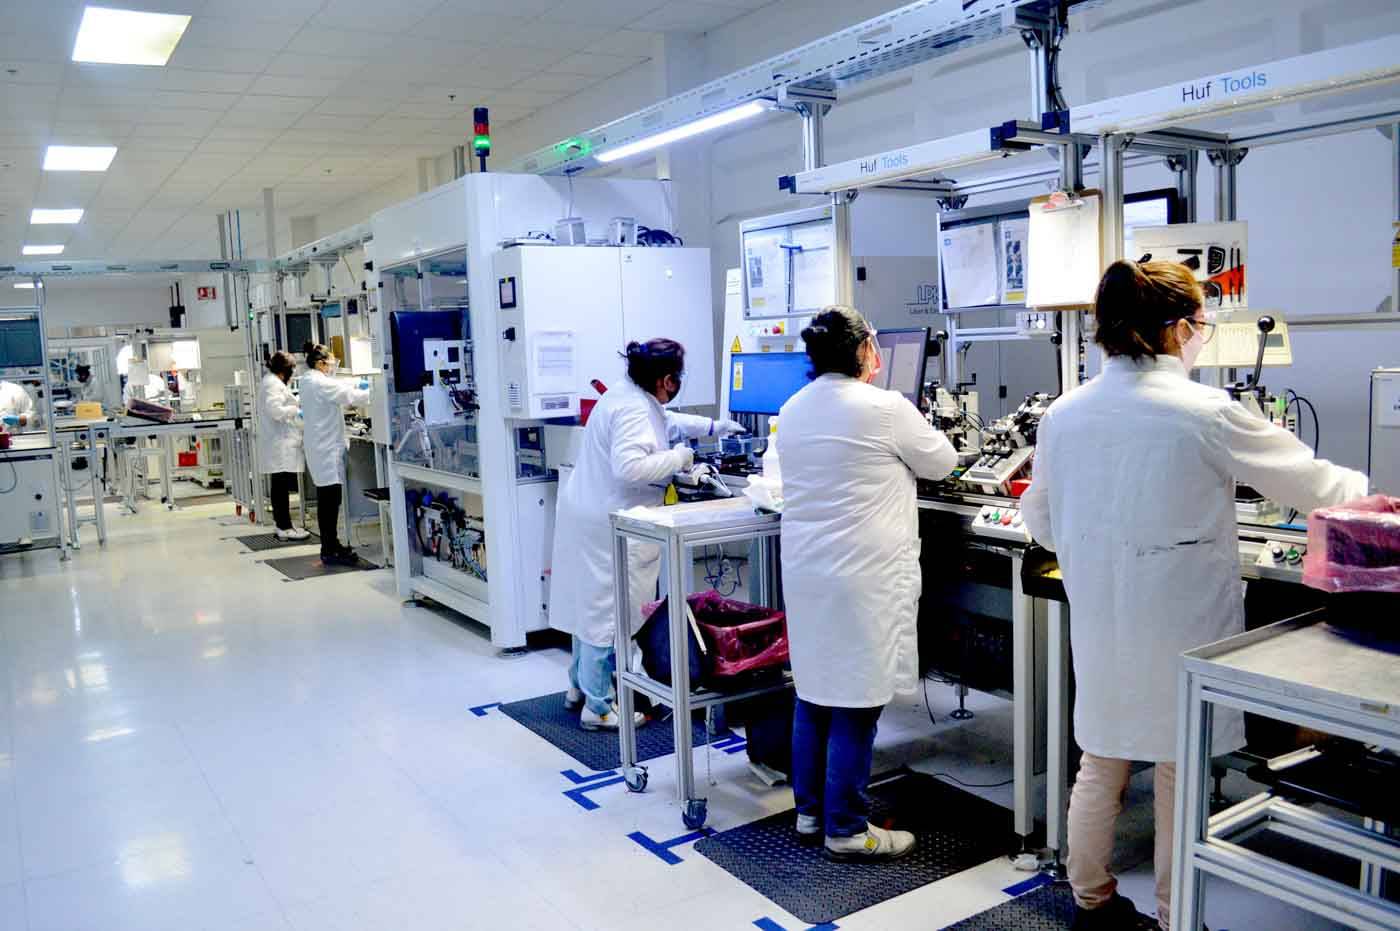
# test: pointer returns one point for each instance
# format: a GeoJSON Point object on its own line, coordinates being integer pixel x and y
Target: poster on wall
{"type": "Point", "coordinates": [1216, 253]}
{"type": "Point", "coordinates": [1013, 259]}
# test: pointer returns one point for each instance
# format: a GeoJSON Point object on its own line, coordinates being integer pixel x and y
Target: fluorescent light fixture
{"type": "Point", "coordinates": [42, 250]}
{"type": "Point", "coordinates": [27, 285]}
{"type": "Point", "coordinates": [127, 37]}
{"type": "Point", "coordinates": [79, 157]}
{"type": "Point", "coordinates": [42, 215]}
{"type": "Point", "coordinates": [685, 131]}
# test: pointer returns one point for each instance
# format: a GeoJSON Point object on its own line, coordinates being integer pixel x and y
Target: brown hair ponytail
{"type": "Point", "coordinates": [1137, 302]}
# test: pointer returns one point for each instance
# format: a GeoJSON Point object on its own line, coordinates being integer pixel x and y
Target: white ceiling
{"type": "Point", "coordinates": [322, 100]}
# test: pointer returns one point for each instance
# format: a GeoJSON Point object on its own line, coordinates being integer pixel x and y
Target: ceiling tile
{"type": "Point", "coordinates": [478, 28]}
{"type": "Point", "coordinates": [399, 16]}
{"type": "Point", "coordinates": [316, 121]}
{"type": "Point", "coordinates": [285, 11]}
{"type": "Point", "coordinates": [222, 82]}
{"type": "Point", "coordinates": [106, 76]}
{"type": "Point", "coordinates": [238, 33]}
{"type": "Point", "coordinates": [687, 16]}
{"type": "Point", "coordinates": [344, 42]}
{"type": "Point", "coordinates": [595, 65]}
{"type": "Point", "coordinates": [215, 103]}
{"type": "Point", "coordinates": [615, 13]}
{"type": "Point", "coordinates": [550, 83]}
{"type": "Point", "coordinates": [626, 42]}
{"type": "Point", "coordinates": [191, 57]}
{"type": "Point", "coordinates": [516, 58]}
{"type": "Point", "coordinates": [294, 87]}
{"type": "Point", "coordinates": [355, 106]}
{"type": "Point", "coordinates": [568, 37]}
{"type": "Point", "coordinates": [271, 103]}
{"type": "Point", "coordinates": [531, 99]}
{"type": "Point", "coordinates": [300, 65]}
{"type": "Point", "coordinates": [230, 147]}
{"type": "Point", "coordinates": [32, 72]}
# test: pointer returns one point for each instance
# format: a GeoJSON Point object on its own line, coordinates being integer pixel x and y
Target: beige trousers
{"type": "Point", "coordinates": [1094, 806]}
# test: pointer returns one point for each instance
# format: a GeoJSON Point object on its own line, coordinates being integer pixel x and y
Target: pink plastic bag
{"type": "Point", "coordinates": [740, 637]}
{"type": "Point", "coordinates": [1355, 547]}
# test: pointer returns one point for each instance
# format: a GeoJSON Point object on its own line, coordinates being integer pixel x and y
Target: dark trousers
{"type": "Point", "coordinates": [832, 750]}
{"type": "Point", "coordinates": [283, 484]}
{"type": "Point", "coordinates": [328, 516]}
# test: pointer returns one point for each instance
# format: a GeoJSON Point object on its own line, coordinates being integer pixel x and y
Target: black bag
{"type": "Point", "coordinates": [654, 640]}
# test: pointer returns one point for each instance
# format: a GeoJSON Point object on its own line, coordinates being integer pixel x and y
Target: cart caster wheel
{"type": "Point", "coordinates": [696, 811]}
{"type": "Point", "coordinates": [636, 777]}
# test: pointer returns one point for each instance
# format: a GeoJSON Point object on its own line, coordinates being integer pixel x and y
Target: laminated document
{"type": "Point", "coordinates": [1013, 260]}
{"type": "Point", "coordinates": [1063, 260]}
{"type": "Point", "coordinates": [970, 268]}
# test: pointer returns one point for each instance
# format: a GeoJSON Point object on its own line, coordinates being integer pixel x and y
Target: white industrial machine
{"type": "Point", "coordinates": [28, 509]}
{"type": "Point", "coordinates": [539, 330]}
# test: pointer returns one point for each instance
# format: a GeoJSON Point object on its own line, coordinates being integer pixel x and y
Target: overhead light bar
{"type": "Point", "coordinates": [42, 215]}
{"type": "Point", "coordinates": [694, 128]}
{"type": "Point", "coordinates": [27, 285]}
{"type": "Point", "coordinates": [79, 157]}
{"type": "Point", "coordinates": [127, 37]}
{"type": "Point", "coordinates": [43, 250]}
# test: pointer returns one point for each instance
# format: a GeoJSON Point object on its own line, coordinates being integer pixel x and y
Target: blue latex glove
{"type": "Point", "coordinates": [10, 420]}
{"type": "Point", "coordinates": [364, 384]}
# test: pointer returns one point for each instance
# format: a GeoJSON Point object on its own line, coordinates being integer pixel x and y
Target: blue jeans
{"type": "Point", "coordinates": [591, 672]}
{"type": "Point", "coordinates": [832, 749]}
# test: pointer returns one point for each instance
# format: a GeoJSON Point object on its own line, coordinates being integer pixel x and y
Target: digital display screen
{"type": "Point", "coordinates": [761, 382]}
{"type": "Point", "coordinates": [904, 354]}
{"type": "Point", "coordinates": [507, 287]}
{"type": "Point", "coordinates": [21, 344]}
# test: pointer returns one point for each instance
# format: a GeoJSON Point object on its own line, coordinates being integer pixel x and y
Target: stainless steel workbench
{"type": "Point", "coordinates": [679, 530]}
{"type": "Point", "coordinates": [1306, 672]}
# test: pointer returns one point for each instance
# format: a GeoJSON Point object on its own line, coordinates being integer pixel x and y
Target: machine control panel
{"type": "Point", "coordinates": [1281, 556]}
{"type": "Point", "coordinates": [1001, 522]}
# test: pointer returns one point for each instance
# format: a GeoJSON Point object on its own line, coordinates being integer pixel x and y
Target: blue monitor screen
{"type": "Point", "coordinates": [760, 382]}
{"type": "Point", "coordinates": [21, 343]}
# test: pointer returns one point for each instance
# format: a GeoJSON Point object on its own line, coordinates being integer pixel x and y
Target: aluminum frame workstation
{"type": "Point", "coordinates": [1176, 124]}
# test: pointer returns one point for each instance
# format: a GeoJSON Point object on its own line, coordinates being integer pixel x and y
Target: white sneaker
{"type": "Point", "coordinates": [809, 830]}
{"type": "Point", "coordinates": [873, 845]}
{"type": "Point", "coordinates": [590, 720]}
{"type": "Point", "coordinates": [573, 699]}
{"type": "Point", "coordinates": [296, 533]}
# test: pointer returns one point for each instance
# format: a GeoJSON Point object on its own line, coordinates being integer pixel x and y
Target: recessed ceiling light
{"type": "Point", "coordinates": [127, 37]}
{"type": "Point", "coordinates": [27, 285]}
{"type": "Point", "coordinates": [44, 215]}
{"type": "Point", "coordinates": [79, 157]}
{"type": "Point", "coordinates": [42, 250]}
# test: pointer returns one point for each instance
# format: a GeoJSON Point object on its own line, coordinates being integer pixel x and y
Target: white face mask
{"type": "Point", "coordinates": [1191, 349]}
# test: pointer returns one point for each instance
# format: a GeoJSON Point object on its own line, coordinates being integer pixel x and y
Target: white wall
{"type": "Point", "coordinates": [1319, 211]}
{"type": "Point", "coordinates": [80, 303]}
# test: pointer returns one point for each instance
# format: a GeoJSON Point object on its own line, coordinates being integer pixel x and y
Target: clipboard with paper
{"type": "Point", "coordinates": [1064, 257]}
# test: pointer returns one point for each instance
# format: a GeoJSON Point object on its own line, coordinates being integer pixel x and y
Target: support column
{"type": "Point", "coordinates": [843, 254]}
{"type": "Point", "coordinates": [1071, 322]}
{"type": "Point", "coordinates": [1226, 200]}
{"type": "Point", "coordinates": [270, 223]}
{"type": "Point", "coordinates": [1395, 204]}
{"type": "Point", "coordinates": [1185, 166]}
{"type": "Point", "coordinates": [813, 135]}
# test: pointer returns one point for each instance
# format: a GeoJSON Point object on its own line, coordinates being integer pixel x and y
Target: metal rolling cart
{"type": "Point", "coordinates": [679, 530]}
{"type": "Point", "coordinates": [1309, 673]}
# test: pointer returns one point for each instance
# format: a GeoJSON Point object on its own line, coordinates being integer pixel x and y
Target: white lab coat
{"type": "Point", "coordinates": [323, 402]}
{"type": "Point", "coordinates": [624, 460]}
{"type": "Point", "coordinates": [279, 434]}
{"type": "Point", "coordinates": [850, 454]}
{"type": "Point", "coordinates": [1134, 490]}
{"type": "Point", "coordinates": [14, 400]}
{"type": "Point", "coordinates": [157, 389]}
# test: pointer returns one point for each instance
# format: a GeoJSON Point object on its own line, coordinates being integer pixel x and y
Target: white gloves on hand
{"type": "Point", "coordinates": [725, 428]}
{"type": "Point", "coordinates": [687, 456]}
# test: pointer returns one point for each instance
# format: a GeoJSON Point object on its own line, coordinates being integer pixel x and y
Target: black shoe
{"type": "Point", "coordinates": [1117, 914]}
{"type": "Point", "coordinates": [341, 558]}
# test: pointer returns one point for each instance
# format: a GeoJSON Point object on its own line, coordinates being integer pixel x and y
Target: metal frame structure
{"type": "Point", "coordinates": [910, 35]}
{"type": "Point", "coordinates": [1293, 671]}
{"type": "Point", "coordinates": [678, 542]}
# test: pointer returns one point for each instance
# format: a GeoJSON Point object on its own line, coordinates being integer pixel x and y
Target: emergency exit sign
{"type": "Point", "coordinates": [206, 293]}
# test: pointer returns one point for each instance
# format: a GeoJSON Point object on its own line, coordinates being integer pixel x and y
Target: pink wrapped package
{"type": "Point", "coordinates": [1355, 547]}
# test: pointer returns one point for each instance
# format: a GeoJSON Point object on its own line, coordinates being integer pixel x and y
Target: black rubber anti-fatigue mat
{"type": "Point", "coordinates": [956, 831]}
{"type": "Point", "coordinates": [259, 542]}
{"type": "Point", "coordinates": [1046, 908]}
{"type": "Point", "coordinates": [598, 750]}
{"type": "Point", "coordinates": [297, 568]}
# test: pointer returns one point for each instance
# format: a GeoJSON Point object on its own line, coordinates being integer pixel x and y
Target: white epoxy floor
{"type": "Point", "coordinates": [189, 742]}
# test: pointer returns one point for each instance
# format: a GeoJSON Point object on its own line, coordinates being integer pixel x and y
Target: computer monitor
{"type": "Point", "coordinates": [21, 343]}
{"type": "Point", "coordinates": [905, 357]}
{"type": "Point", "coordinates": [761, 382]}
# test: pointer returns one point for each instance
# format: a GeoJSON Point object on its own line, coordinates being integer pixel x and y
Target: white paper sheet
{"type": "Point", "coordinates": [1063, 256]}
{"type": "Point", "coordinates": [765, 264]}
{"type": "Point", "coordinates": [970, 269]}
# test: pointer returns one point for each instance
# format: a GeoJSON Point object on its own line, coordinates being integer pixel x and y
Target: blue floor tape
{"type": "Point", "coordinates": [768, 924]}
{"type": "Point", "coordinates": [480, 710]}
{"type": "Point", "coordinates": [580, 795]}
{"type": "Point", "coordinates": [663, 848]}
{"type": "Point", "coordinates": [1035, 882]}
{"type": "Point", "coordinates": [579, 780]}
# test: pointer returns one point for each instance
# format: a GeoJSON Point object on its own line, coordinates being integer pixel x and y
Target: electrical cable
{"type": "Point", "coordinates": [568, 214]}
{"type": "Point", "coordinates": [14, 472]}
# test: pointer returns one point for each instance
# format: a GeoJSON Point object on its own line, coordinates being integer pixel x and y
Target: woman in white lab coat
{"type": "Point", "coordinates": [279, 441]}
{"type": "Point", "coordinates": [625, 460]}
{"type": "Point", "coordinates": [1134, 488]}
{"type": "Point", "coordinates": [850, 454]}
{"type": "Point", "coordinates": [16, 406]}
{"type": "Point", "coordinates": [324, 398]}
